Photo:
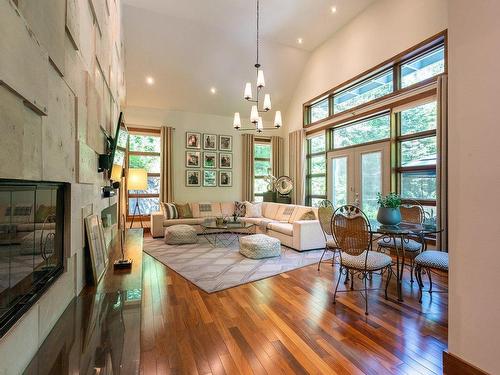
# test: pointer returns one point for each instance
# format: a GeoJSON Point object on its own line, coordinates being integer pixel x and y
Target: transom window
{"type": "Point", "coordinates": [368, 130]}
{"type": "Point", "coordinates": [262, 167]}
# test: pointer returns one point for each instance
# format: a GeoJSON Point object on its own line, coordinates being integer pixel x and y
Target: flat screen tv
{"type": "Point", "coordinates": [118, 149]}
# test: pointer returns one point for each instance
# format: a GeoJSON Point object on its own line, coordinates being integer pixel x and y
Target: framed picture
{"type": "Point", "coordinates": [209, 160]}
{"type": "Point", "coordinates": [209, 142]}
{"type": "Point", "coordinates": [225, 160]}
{"type": "Point", "coordinates": [209, 178]}
{"type": "Point", "coordinates": [225, 143]}
{"type": "Point", "coordinates": [225, 178]}
{"type": "Point", "coordinates": [193, 140]}
{"type": "Point", "coordinates": [97, 246]}
{"type": "Point", "coordinates": [193, 159]}
{"type": "Point", "coordinates": [193, 178]}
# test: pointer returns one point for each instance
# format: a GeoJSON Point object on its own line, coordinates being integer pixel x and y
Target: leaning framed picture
{"type": "Point", "coordinates": [225, 160]}
{"type": "Point", "coordinates": [225, 178]}
{"type": "Point", "coordinates": [209, 178]}
{"type": "Point", "coordinates": [193, 159]}
{"type": "Point", "coordinates": [209, 142]}
{"type": "Point", "coordinates": [97, 247]}
{"type": "Point", "coordinates": [209, 160]}
{"type": "Point", "coordinates": [193, 178]}
{"type": "Point", "coordinates": [225, 143]}
{"type": "Point", "coordinates": [193, 140]}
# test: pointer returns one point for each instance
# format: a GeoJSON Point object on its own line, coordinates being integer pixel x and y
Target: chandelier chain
{"type": "Point", "coordinates": [257, 32]}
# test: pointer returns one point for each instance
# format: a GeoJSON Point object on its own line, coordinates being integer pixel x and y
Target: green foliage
{"type": "Point", "coordinates": [262, 151]}
{"type": "Point", "coordinates": [365, 131]}
{"type": "Point", "coordinates": [144, 143]}
{"type": "Point", "coordinates": [391, 200]}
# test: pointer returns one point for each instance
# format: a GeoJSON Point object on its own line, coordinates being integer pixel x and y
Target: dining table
{"type": "Point", "coordinates": [403, 232]}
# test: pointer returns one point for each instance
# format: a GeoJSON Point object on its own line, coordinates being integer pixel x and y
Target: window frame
{"type": "Point", "coordinates": [128, 195]}
{"type": "Point", "coordinates": [309, 176]}
{"type": "Point", "coordinates": [261, 141]}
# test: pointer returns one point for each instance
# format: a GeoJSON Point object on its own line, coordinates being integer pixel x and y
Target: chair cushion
{"type": "Point", "coordinates": [283, 228]}
{"type": "Point", "coordinates": [433, 259]}
{"type": "Point", "coordinates": [375, 261]}
{"type": "Point", "coordinates": [411, 245]}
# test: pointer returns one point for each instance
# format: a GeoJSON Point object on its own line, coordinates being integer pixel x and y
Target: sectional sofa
{"type": "Point", "coordinates": [281, 221]}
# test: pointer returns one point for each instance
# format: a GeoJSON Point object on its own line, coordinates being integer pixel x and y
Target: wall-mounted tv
{"type": "Point", "coordinates": [118, 149]}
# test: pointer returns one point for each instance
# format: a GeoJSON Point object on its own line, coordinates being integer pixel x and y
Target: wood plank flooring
{"type": "Point", "coordinates": [287, 324]}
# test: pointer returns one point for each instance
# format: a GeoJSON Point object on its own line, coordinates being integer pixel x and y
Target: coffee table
{"type": "Point", "coordinates": [225, 234]}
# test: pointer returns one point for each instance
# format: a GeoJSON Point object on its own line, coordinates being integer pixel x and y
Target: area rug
{"type": "Point", "coordinates": [214, 269]}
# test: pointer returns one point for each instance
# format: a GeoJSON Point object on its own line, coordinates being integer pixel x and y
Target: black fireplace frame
{"type": "Point", "coordinates": [24, 303]}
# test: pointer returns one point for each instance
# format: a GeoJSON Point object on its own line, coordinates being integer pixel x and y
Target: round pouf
{"type": "Point", "coordinates": [258, 246]}
{"type": "Point", "coordinates": [180, 234]}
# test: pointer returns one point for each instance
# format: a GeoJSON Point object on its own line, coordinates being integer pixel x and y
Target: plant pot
{"type": "Point", "coordinates": [389, 216]}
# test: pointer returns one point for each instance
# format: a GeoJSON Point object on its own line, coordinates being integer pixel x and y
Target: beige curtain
{"type": "Point", "coordinates": [277, 157]}
{"type": "Point", "coordinates": [166, 174]}
{"type": "Point", "coordinates": [247, 170]}
{"type": "Point", "coordinates": [296, 141]}
{"type": "Point", "coordinates": [442, 163]}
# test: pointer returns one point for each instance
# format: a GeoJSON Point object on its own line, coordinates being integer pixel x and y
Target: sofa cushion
{"type": "Point", "coordinates": [301, 210]}
{"type": "Point", "coordinates": [285, 212]}
{"type": "Point", "coordinates": [191, 221]}
{"type": "Point", "coordinates": [227, 208]}
{"type": "Point", "coordinates": [270, 209]}
{"type": "Point", "coordinates": [257, 220]}
{"type": "Point", "coordinates": [170, 211]}
{"type": "Point", "coordinates": [309, 215]}
{"type": "Point", "coordinates": [284, 228]}
{"type": "Point", "coordinates": [206, 209]}
{"type": "Point", "coordinates": [184, 211]}
{"type": "Point", "coordinates": [240, 209]}
{"type": "Point", "coordinates": [253, 209]}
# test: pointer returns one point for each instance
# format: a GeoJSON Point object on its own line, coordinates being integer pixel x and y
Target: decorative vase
{"type": "Point", "coordinates": [389, 216]}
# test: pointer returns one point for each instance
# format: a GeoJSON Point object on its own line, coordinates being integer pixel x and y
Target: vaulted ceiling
{"type": "Point", "coordinates": [190, 46]}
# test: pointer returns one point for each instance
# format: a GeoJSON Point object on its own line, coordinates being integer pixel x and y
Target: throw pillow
{"type": "Point", "coordinates": [240, 209]}
{"type": "Point", "coordinates": [309, 215]}
{"type": "Point", "coordinates": [170, 211]}
{"type": "Point", "coordinates": [184, 211]}
{"type": "Point", "coordinates": [253, 210]}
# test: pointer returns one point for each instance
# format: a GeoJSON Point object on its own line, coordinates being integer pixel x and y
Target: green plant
{"type": "Point", "coordinates": [391, 200]}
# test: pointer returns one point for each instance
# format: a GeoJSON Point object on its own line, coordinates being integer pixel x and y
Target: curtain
{"type": "Point", "coordinates": [277, 157]}
{"type": "Point", "coordinates": [296, 141]}
{"type": "Point", "coordinates": [166, 172]}
{"type": "Point", "coordinates": [247, 168]}
{"type": "Point", "coordinates": [442, 162]}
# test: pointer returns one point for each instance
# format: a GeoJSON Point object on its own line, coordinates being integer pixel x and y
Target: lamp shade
{"type": "Point", "coordinates": [278, 122]}
{"type": "Point", "coordinates": [237, 120]}
{"type": "Point", "coordinates": [116, 172]}
{"type": "Point", "coordinates": [260, 125]}
{"type": "Point", "coordinates": [137, 179]}
{"type": "Point", "coordinates": [254, 114]}
{"type": "Point", "coordinates": [267, 102]}
{"type": "Point", "coordinates": [261, 82]}
{"type": "Point", "coordinates": [248, 91]}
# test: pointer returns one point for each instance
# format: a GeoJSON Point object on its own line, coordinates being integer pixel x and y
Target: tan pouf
{"type": "Point", "coordinates": [258, 246]}
{"type": "Point", "coordinates": [180, 234]}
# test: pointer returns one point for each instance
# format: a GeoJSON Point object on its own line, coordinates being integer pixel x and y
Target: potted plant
{"type": "Point", "coordinates": [388, 211]}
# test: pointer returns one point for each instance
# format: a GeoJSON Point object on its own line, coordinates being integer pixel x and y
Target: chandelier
{"type": "Point", "coordinates": [255, 113]}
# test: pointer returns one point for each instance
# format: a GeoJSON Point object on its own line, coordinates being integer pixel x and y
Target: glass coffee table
{"type": "Point", "coordinates": [225, 234]}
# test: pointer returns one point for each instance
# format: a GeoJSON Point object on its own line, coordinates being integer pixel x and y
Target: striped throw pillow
{"type": "Point", "coordinates": [170, 211]}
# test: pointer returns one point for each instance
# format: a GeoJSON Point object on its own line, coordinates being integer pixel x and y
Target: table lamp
{"type": "Point", "coordinates": [137, 179]}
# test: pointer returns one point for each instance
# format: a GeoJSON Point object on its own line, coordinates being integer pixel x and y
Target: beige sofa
{"type": "Point", "coordinates": [278, 220]}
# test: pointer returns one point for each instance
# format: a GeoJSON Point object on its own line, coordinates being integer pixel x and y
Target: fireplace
{"type": "Point", "coordinates": [31, 244]}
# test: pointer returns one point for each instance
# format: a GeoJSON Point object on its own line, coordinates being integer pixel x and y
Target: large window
{"type": "Point", "coordinates": [261, 168]}
{"type": "Point", "coordinates": [144, 153]}
{"type": "Point", "coordinates": [316, 170]}
{"type": "Point", "coordinates": [417, 155]}
{"type": "Point", "coordinates": [368, 130]}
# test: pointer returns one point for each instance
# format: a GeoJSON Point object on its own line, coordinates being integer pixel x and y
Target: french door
{"type": "Point", "coordinates": [357, 174]}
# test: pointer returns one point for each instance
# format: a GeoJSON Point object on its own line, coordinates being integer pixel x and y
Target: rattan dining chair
{"type": "Point", "coordinates": [325, 213]}
{"type": "Point", "coordinates": [351, 229]}
{"type": "Point", "coordinates": [411, 213]}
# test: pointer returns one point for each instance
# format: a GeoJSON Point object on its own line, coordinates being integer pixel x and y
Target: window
{"type": "Point", "coordinates": [422, 67]}
{"type": "Point", "coordinates": [368, 130]}
{"type": "Point", "coordinates": [144, 152]}
{"type": "Point", "coordinates": [319, 110]}
{"type": "Point", "coordinates": [363, 92]}
{"type": "Point", "coordinates": [419, 119]}
{"type": "Point", "coordinates": [316, 170]}
{"type": "Point", "coordinates": [261, 168]}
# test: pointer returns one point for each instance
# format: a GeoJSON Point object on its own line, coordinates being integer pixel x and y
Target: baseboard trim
{"type": "Point", "coordinates": [455, 365]}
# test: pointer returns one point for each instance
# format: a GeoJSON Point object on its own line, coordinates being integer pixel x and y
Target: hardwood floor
{"type": "Point", "coordinates": [287, 324]}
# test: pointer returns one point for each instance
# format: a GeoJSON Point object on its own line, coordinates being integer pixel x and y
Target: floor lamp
{"type": "Point", "coordinates": [137, 179]}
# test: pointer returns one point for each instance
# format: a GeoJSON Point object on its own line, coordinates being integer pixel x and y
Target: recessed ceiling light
{"type": "Point", "coordinates": [333, 9]}
{"type": "Point", "coordinates": [300, 40]}
{"type": "Point", "coordinates": [213, 90]}
{"type": "Point", "coordinates": [150, 80]}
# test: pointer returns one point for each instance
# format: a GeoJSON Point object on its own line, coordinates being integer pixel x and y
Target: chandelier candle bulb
{"type": "Point", "coordinates": [261, 82]}
{"type": "Point", "coordinates": [254, 114]}
{"type": "Point", "coordinates": [237, 121]}
{"type": "Point", "coordinates": [278, 122]}
{"type": "Point", "coordinates": [248, 91]}
{"type": "Point", "coordinates": [267, 102]}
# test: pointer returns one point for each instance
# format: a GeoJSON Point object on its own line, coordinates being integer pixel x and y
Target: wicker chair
{"type": "Point", "coordinates": [351, 229]}
{"type": "Point", "coordinates": [325, 213]}
{"type": "Point", "coordinates": [411, 213]}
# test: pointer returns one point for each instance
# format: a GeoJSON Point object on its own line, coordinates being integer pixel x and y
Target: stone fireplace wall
{"type": "Point", "coordinates": [61, 80]}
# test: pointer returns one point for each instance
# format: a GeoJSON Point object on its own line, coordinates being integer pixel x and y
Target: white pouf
{"type": "Point", "coordinates": [180, 234]}
{"type": "Point", "coordinates": [258, 246]}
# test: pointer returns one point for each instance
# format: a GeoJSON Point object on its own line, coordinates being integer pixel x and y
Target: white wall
{"type": "Point", "coordinates": [53, 101]}
{"type": "Point", "coordinates": [474, 182]}
{"type": "Point", "coordinates": [202, 123]}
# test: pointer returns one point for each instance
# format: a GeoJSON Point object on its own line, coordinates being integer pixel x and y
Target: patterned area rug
{"type": "Point", "coordinates": [214, 269]}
